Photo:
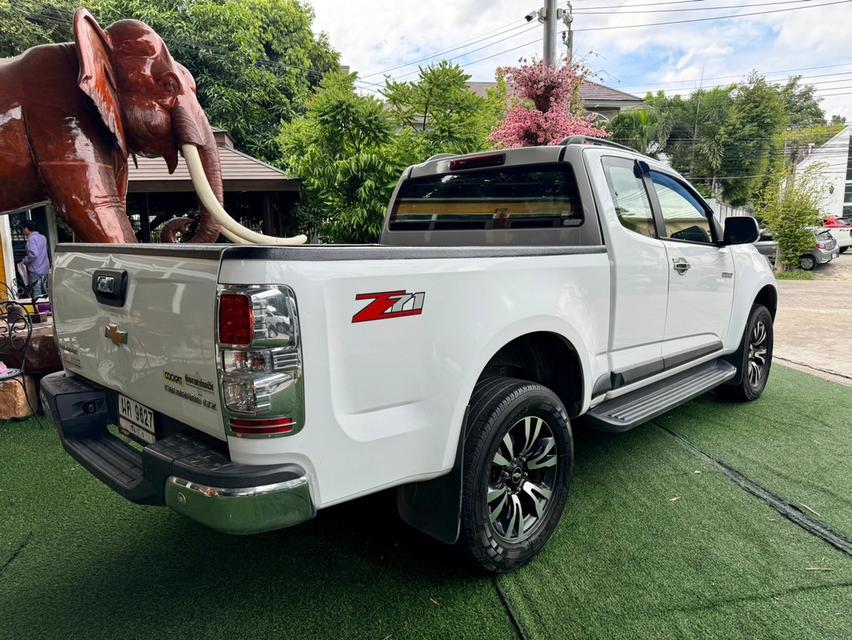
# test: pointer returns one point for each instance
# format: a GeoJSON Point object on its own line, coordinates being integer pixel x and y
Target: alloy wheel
{"type": "Point", "coordinates": [522, 479]}
{"type": "Point", "coordinates": [757, 348]}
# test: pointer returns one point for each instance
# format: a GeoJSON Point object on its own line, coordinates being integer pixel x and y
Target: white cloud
{"type": "Point", "coordinates": [374, 35]}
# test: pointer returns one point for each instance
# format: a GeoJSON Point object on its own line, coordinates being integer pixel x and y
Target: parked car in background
{"type": "Point", "coordinates": [767, 246]}
{"type": "Point", "coordinates": [841, 229]}
{"type": "Point", "coordinates": [824, 250]}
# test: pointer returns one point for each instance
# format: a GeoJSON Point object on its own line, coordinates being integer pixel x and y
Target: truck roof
{"type": "Point", "coordinates": [439, 163]}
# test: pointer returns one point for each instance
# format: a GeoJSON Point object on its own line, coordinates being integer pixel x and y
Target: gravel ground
{"type": "Point", "coordinates": [813, 329]}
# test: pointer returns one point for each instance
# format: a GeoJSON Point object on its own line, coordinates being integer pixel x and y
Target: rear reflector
{"type": "Point", "coordinates": [236, 320]}
{"type": "Point", "coordinates": [476, 162]}
{"type": "Point", "coordinates": [262, 427]}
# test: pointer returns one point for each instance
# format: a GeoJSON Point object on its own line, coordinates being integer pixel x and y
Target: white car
{"type": "Point", "coordinates": [513, 292]}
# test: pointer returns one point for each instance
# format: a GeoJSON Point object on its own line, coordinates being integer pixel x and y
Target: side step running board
{"type": "Point", "coordinates": [632, 409]}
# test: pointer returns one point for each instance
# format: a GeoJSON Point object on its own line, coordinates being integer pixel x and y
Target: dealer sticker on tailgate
{"type": "Point", "coordinates": [136, 419]}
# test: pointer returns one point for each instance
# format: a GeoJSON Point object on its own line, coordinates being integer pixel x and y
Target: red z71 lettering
{"type": "Point", "coordinates": [389, 304]}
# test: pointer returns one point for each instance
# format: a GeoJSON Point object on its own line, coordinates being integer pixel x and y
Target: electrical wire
{"type": "Point", "coordinates": [628, 8]}
{"type": "Point", "coordinates": [711, 18]}
{"type": "Point", "coordinates": [461, 46]}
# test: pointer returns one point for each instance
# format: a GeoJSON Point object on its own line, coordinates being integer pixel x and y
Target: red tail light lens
{"type": "Point", "coordinates": [262, 427]}
{"type": "Point", "coordinates": [820, 245]}
{"type": "Point", "coordinates": [236, 320]}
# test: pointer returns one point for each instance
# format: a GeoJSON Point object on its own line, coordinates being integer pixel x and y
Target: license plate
{"type": "Point", "coordinates": [135, 419]}
{"type": "Point", "coordinates": [834, 255]}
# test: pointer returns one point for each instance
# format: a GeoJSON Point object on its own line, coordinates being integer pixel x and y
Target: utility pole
{"type": "Point", "coordinates": [550, 33]}
{"type": "Point", "coordinates": [568, 35]}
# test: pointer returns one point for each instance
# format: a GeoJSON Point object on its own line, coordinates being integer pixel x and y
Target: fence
{"type": "Point", "coordinates": [724, 211]}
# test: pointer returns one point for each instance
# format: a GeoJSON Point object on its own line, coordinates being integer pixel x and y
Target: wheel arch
{"type": "Point", "coordinates": [544, 354]}
{"type": "Point", "coordinates": [547, 358]}
{"type": "Point", "coordinates": [768, 297]}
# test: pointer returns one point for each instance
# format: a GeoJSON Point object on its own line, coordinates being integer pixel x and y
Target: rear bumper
{"type": "Point", "coordinates": [186, 471]}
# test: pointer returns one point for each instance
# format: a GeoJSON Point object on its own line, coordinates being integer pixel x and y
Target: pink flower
{"type": "Point", "coordinates": [545, 108]}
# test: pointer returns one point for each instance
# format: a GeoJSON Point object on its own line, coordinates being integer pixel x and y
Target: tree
{"type": "Point", "coordinates": [442, 111]}
{"type": "Point", "coordinates": [340, 149]}
{"type": "Point", "coordinates": [256, 62]}
{"type": "Point", "coordinates": [752, 139]}
{"type": "Point", "coordinates": [350, 149]}
{"type": "Point", "coordinates": [641, 129]}
{"type": "Point", "coordinates": [802, 105]}
{"type": "Point", "coordinates": [789, 208]}
{"type": "Point", "coordinates": [27, 23]}
{"type": "Point", "coordinates": [546, 106]}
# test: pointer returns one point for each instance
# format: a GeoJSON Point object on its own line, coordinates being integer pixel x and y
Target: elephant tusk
{"type": "Point", "coordinates": [233, 237]}
{"type": "Point", "coordinates": [231, 229]}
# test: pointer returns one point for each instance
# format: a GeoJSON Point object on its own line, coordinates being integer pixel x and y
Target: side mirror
{"type": "Point", "coordinates": [741, 230]}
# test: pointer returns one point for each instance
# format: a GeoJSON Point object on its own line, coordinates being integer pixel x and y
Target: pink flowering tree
{"type": "Point", "coordinates": [545, 106]}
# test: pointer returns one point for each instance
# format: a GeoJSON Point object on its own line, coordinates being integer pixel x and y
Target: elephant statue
{"type": "Point", "coordinates": [72, 113]}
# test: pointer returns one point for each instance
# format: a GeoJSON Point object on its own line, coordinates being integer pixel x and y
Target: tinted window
{"type": "Point", "coordinates": [504, 198]}
{"type": "Point", "coordinates": [683, 215]}
{"type": "Point", "coordinates": [628, 193]}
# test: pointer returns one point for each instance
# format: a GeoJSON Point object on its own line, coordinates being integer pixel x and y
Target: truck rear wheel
{"type": "Point", "coordinates": [518, 462]}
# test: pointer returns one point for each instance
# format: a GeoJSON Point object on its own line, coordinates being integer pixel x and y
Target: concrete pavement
{"type": "Point", "coordinates": [813, 328]}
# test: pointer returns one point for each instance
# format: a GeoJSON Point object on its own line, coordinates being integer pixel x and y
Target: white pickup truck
{"type": "Point", "coordinates": [512, 293]}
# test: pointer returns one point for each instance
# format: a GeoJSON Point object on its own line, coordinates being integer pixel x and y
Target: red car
{"type": "Point", "coordinates": [836, 223]}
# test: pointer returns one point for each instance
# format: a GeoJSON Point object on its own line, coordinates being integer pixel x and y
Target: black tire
{"type": "Point", "coordinates": [753, 358]}
{"type": "Point", "coordinates": [807, 262]}
{"type": "Point", "coordinates": [539, 461]}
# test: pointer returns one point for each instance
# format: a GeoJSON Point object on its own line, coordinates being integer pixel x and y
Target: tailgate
{"type": "Point", "coordinates": [158, 346]}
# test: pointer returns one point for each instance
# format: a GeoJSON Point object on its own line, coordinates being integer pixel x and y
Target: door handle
{"type": "Point", "coordinates": [680, 265]}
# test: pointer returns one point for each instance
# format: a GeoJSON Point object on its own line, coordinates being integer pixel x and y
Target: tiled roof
{"type": "Point", "coordinates": [240, 172]}
{"type": "Point", "coordinates": [590, 92]}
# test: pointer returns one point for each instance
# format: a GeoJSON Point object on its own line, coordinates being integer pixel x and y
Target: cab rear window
{"type": "Point", "coordinates": [526, 197]}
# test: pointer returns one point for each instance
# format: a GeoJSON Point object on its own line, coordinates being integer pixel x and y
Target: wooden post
{"type": "Point", "coordinates": [268, 219]}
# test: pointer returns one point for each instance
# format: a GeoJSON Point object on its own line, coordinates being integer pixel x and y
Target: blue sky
{"type": "Point", "coordinates": [809, 37]}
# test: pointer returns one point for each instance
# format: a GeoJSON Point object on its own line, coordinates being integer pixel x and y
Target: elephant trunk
{"type": "Point", "coordinates": [191, 127]}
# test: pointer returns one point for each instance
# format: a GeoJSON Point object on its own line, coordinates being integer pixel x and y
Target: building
{"type": "Point", "coordinates": [257, 194]}
{"type": "Point", "coordinates": [597, 98]}
{"type": "Point", "coordinates": [834, 160]}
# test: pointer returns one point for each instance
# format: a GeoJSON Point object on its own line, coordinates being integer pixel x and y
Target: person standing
{"type": "Point", "coordinates": [36, 261]}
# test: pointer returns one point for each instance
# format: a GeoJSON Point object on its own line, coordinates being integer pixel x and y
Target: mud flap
{"type": "Point", "coordinates": [434, 506]}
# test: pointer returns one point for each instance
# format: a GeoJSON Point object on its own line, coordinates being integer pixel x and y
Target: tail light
{"type": "Point", "coordinates": [260, 361]}
{"type": "Point", "coordinates": [820, 245]}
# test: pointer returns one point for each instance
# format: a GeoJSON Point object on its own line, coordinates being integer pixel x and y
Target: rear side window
{"type": "Point", "coordinates": [525, 197]}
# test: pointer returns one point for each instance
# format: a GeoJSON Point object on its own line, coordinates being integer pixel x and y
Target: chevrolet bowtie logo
{"type": "Point", "coordinates": [117, 336]}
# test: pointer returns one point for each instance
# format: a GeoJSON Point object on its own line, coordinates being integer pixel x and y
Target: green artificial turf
{"type": "Point", "coordinates": [656, 542]}
{"type": "Point", "coordinates": [96, 566]}
{"type": "Point", "coordinates": [796, 441]}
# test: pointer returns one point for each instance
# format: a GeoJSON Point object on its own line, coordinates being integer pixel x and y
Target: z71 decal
{"type": "Point", "coordinates": [389, 304]}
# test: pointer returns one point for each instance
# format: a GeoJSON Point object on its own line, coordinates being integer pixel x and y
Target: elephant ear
{"type": "Point", "coordinates": [97, 76]}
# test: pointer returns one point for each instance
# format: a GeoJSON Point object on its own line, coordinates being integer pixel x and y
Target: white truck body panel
{"type": "Point", "coordinates": [385, 400]}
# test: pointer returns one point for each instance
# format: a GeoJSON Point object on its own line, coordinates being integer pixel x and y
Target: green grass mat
{"type": "Point", "coordinates": [796, 441]}
{"type": "Point", "coordinates": [656, 543]}
{"type": "Point", "coordinates": [96, 566]}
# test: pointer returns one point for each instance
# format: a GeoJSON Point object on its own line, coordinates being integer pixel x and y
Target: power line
{"type": "Point", "coordinates": [713, 18]}
{"type": "Point", "coordinates": [740, 75]}
{"type": "Point", "coordinates": [461, 46]}
{"type": "Point", "coordinates": [628, 8]}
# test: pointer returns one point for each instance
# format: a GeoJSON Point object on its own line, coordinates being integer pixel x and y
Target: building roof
{"type": "Point", "coordinates": [240, 172]}
{"type": "Point", "coordinates": [592, 94]}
